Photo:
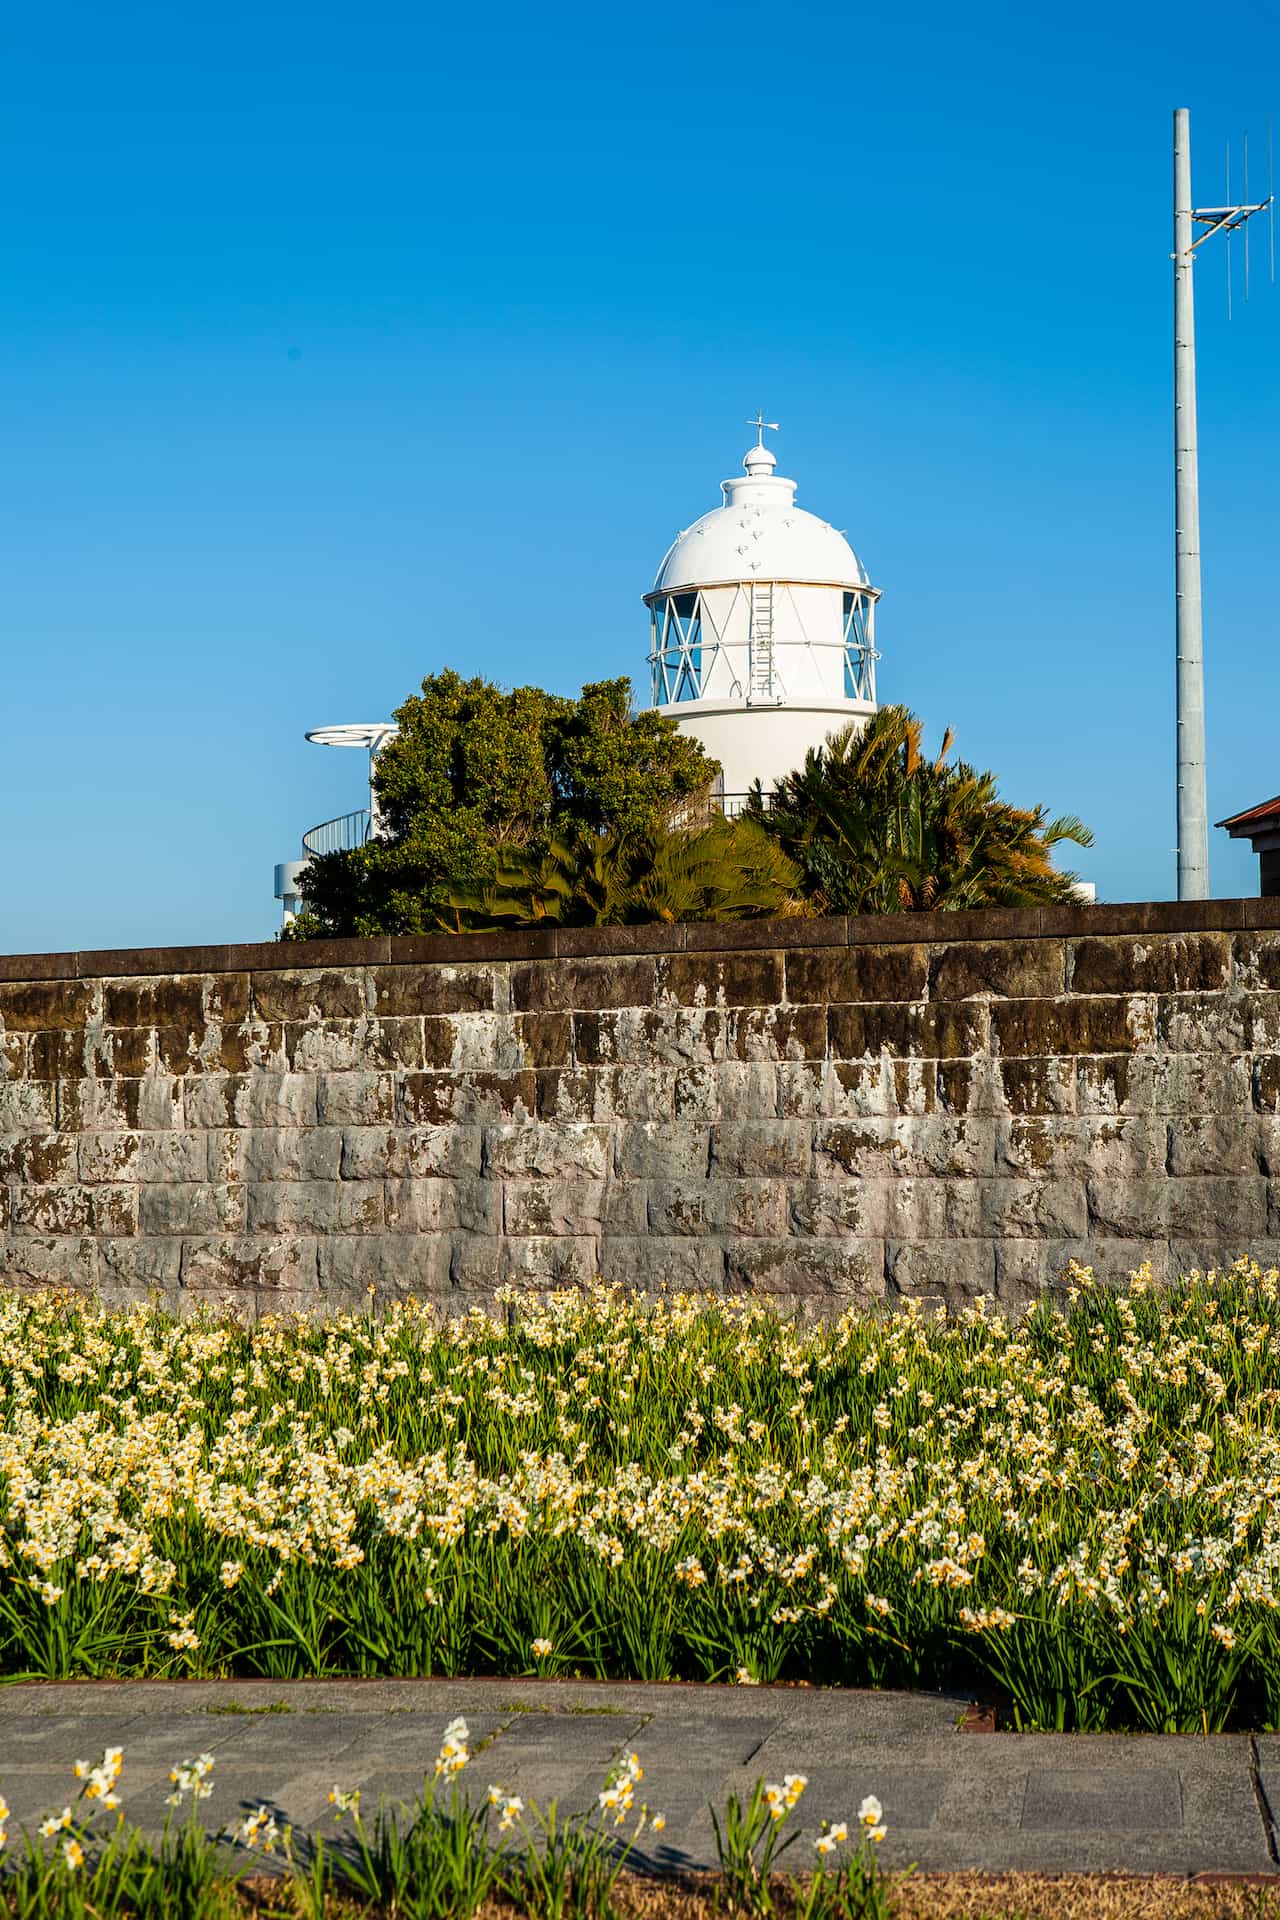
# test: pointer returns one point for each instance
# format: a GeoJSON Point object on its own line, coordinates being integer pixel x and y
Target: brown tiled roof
{"type": "Point", "coordinates": [1269, 810]}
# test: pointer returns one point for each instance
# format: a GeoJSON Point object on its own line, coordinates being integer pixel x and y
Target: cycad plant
{"type": "Point", "coordinates": [729, 870]}
{"type": "Point", "coordinates": [875, 826]}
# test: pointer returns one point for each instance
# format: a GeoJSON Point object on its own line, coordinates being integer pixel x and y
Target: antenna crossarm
{"type": "Point", "coordinates": [1224, 219]}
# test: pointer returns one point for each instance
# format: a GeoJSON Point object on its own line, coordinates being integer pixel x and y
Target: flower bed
{"type": "Point", "coordinates": [1076, 1512]}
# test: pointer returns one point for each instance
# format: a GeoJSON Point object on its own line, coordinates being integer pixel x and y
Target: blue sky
{"type": "Point", "coordinates": [342, 344]}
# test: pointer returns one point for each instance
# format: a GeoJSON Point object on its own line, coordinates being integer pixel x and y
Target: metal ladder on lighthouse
{"type": "Point", "coordinates": [761, 641]}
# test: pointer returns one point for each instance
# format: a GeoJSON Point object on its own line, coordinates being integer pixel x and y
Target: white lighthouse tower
{"type": "Point", "coordinates": [763, 629]}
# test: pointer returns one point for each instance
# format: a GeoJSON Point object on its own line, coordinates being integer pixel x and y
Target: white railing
{"type": "Point", "coordinates": [349, 830]}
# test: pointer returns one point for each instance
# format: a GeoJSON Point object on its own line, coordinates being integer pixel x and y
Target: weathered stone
{"type": "Point", "coordinates": [822, 1208]}
{"type": "Point", "coordinates": [719, 979]}
{"type": "Point", "coordinates": [837, 1088]}
{"type": "Point", "coordinates": [1028, 1209]}
{"type": "Point", "coordinates": [164, 1156]}
{"type": "Point", "coordinates": [930, 1209]}
{"type": "Point", "coordinates": [837, 976]}
{"type": "Point", "coordinates": [43, 1004]}
{"type": "Point", "coordinates": [929, 1030]}
{"type": "Point", "coordinates": [179, 1209]}
{"type": "Point", "coordinates": [354, 1099]}
{"type": "Point", "coordinates": [228, 1265]}
{"type": "Point", "coordinates": [773, 1147]}
{"type": "Point", "coordinates": [1215, 1143]}
{"type": "Point", "coordinates": [26, 1106]}
{"type": "Point", "coordinates": [561, 985]}
{"type": "Point", "coordinates": [311, 995]}
{"type": "Point", "coordinates": [141, 1267]}
{"type": "Point", "coordinates": [535, 1150]}
{"type": "Point", "coordinates": [1008, 969]}
{"type": "Point", "coordinates": [410, 1152]}
{"type": "Point", "coordinates": [388, 1266]}
{"type": "Point", "coordinates": [33, 1158]}
{"type": "Point", "coordinates": [61, 1261]}
{"type": "Point", "coordinates": [654, 1150]}
{"type": "Point", "coordinates": [52, 1210]}
{"type": "Point", "coordinates": [551, 1260]}
{"type": "Point", "coordinates": [947, 1270]}
{"type": "Point", "coordinates": [1125, 1206]}
{"type": "Point", "coordinates": [915, 1086]}
{"type": "Point", "coordinates": [936, 1144]}
{"type": "Point", "coordinates": [189, 1001]}
{"type": "Point", "coordinates": [288, 1153]}
{"type": "Point", "coordinates": [545, 1039]}
{"type": "Point", "coordinates": [606, 1093]}
{"type": "Point", "coordinates": [1044, 1028]}
{"type": "Point", "coordinates": [1206, 1022]}
{"type": "Point", "coordinates": [440, 989]}
{"type": "Point", "coordinates": [1257, 960]}
{"type": "Point", "coordinates": [776, 1033]}
{"type": "Point", "coordinates": [468, 1098]}
{"type": "Point", "coordinates": [1056, 1146]}
{"type": "Point", "coordinates": [1166, 964]}
{"type": "Point", "coordinates": [650, 1263]}
{"type": "Point", "coordinates": [571, 1207]}
{"type": "Point", "coordinates": [851, 1271]}
{"type": "Point", "coordinates": [1228, 1213]}
{"type": "Point", "coordinates": [680, 1036]}
{"type": "Point", "coordinates": [1026, 1086]}
{"type": "Point", "coordinates": [298, 1206]}
{"type": "Point", "coordinates": [432, 1206]}
{"type": "Point", "coordinates": [350, 1046]}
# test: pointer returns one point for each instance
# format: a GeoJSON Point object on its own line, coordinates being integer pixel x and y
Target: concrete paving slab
{"type": "Point", "coordinates": [952, 1800]}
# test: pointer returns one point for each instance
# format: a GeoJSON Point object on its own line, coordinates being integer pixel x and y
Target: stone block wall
{"type": "Point", "coordinates": [821, 1112]}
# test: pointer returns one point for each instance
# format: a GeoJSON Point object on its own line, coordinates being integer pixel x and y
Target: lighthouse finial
{"type": "Point", "coordinates": [762, 426]}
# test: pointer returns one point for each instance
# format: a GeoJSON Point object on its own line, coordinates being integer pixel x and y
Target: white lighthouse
{"type": "Point", "coordinates": [763, 629]}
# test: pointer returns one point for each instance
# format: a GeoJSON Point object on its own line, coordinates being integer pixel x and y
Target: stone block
{"type": "Point", "coordinates": [64, 1260]}
{"type": "Point", "coordinates": [13, 1056]}
{"type": "Point", "coordinates": [1031, 1086]}
{"type": "Point", "coordinates": [416, 1153]}
{"type": "Point", "coordinates": [556, 1207]}
{"type": "Point", "coordinates": [278, 1100]}
{"type": "Point", "coordinates": [563, 985]}
{"type": "Point", "coordinates": [915, 1085]}
{"type": "Point", "coordinates": [1206, 1022]}
{"type": "Point", "coordinates": [1265, 1083]}
{"type": "Point", "coordinates": [313, 994]}
{"type": "Point", "coordinates": [775, 1148]}
{"type": "Point", "coordinates": [822, 1209]}
{"type": "Point", "coordinates": [1266, 1139]}
{"type": "Point", "coordinates": [1230, 1144]}
{"type": "Point", "coordinates": [951, 1271]}
{"type": "Point", "coordinates": [680, 1207]}
{"type": "Point", "coordinates": [179, 1050]}
{"type": "Point", "coordinates": [187, 1001]}
{"type": "Point", "coordinates": [849, 1271]}
{"type": "Point", "coordinates": [1231, 1214]}
{"type": "Point", "coordinates": [1165, 1084]}
{"type": "Point", "coordinates": [932, 1031]}
{"type": "Point", "coordinates": [538, 1151]}
{"type": "Point", "coordinates": [468, 1099]}
{"type": "Point", "coordinates": [140, 1266]}
{"type": "Point", "coordinates": [158, 1106]}
{"type": "Point", "coordinates": [27, 1106]}
{"type": "Point", "coordinates": [696, 1093]}
{"type": "Point", "coordinates": [202, 1209]}
{"type": "Point", "coordinates": [38, 1157]}
{"type": "Point", "coordinates": [746, 1088]}
{"type": "Point", "coordinates": [624, 1207]}
{"type": "Point", "coordinates": [288, 1153]}
{"type": "Point", "coordinates": [409, 990]}
{"type": "Point", "coordinates": [549, 1261]}
{"type": "Point", "coordinates": [776, 1033]}
{"type": "Point", "coordinates": [1263, 1011]}
{"type": "Point", "coordinates": [1004, 969]}
{"type": "Point", "coordinates": [1028, 1270]}
{"type": "Point", "coordinates": [1256, 958]}
{"type": "Point", "coordinates": [63, 1054]}
{"type": "Point", "coordinates": [933, 1144]}
{"type": "Point", "coordinates": [834, 976]}
{"type": "Point", "coordinates": [606, 1093]}
{"type": "Point", "coordinates": [34, 1006]}
{"type": "Point", "coordinates": [166, 1156]}
{"type": "Point", "coordinates": [360, 1099]}
{"type": "Point", "coordinates": [652, 1263]}
{"type": "Point", "coordinates": [928, 1209]}
{"type": "Point", "coordinates": [471, 1042]}
{"type": "Point", "coordinates": [1125, 1206]}
{"type": "Point", "coordinates": [339, 1046]}
{"type": "Point", "coordinates": [662, 1150]}
{"type": "Point", "coordinates": [546, 1039]}
{"type": "Point", "coordinates": [388, 1266]}
{"type": "Point", "coordinates": [301, 1206]}
{"type": "Point", "coordinates": [1106, 1023]}
{"type": "Point", "coordinates": [718, 979]}
{"type": "Point", "coordinates": [52, 1210]}
{"type": "Point", "coordinates": [1167, 963]}
{"type": "Point", "coordinates": [430, 1206]}
{"type": "Point", "coordinates": [113, 1209]}
{"type": "Point", "coordinates": [674, 1036]}
{"type": "Point", "coordinates": [836, 1088]}
{"type": "Point", "coordinates": [232, 1264]}
{"type": "Point", "coordinates": [1063, 1146]}
{"type": "Point", "coordinates": [1042, 1208]}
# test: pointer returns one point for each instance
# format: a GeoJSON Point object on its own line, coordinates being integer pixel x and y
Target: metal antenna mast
{"type": "Point", "coordinates": [1193, 809]}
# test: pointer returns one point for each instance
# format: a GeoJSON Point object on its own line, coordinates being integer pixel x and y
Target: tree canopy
{"type": "Point", "coordinates": [476, 774]}
{"type": "Point", "coordinates": [875, 826]}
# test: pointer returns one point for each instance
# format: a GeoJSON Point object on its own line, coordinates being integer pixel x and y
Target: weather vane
{"type": "Point", "coordinates": [762, 426]}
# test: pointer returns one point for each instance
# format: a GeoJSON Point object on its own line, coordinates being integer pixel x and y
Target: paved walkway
{"type": "Point", "coordinates": [1001, 1801]}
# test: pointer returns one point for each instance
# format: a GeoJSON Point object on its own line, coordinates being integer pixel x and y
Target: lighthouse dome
{"type": "Point", "coordinates": [759, 534]}
{"type": "Point", "coordinates": [762, 629]}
